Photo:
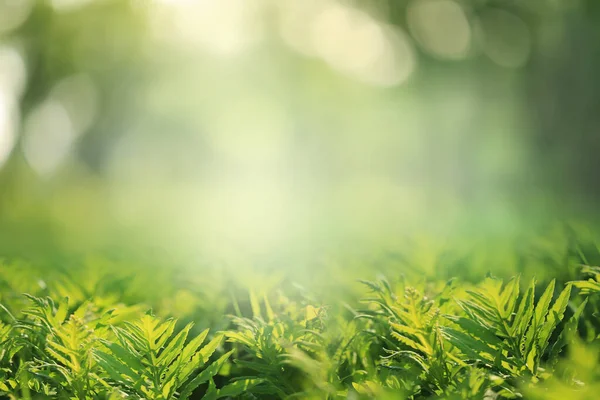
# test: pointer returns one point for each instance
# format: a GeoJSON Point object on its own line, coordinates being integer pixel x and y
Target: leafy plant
{"type": "Point", "coordinates": [415, 338]}
{"type": "Point", "coordinates": [268, 347]}
{"type": "Point", "coordinates": [406, 327]}
{"type": "Point", "coordinates": [151, 361]}
{"type": "Point", "coordinates": [508, 333]}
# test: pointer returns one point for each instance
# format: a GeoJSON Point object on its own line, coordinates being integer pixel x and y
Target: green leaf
{"type": "Point", "coordinates": [62, 311]}
{"type": "Point", "coordinates": [470, 346]}
{"type": "Point", "coordinates": [123, 354]}
{"type": "Point", "coordinates": [541, 310]}
{"type": "Point", "coordinates": [409, 342]}
{"type": "Point", "coordinates": [164, 332]}
{"type": "Point", "coordinates": [569, 330]}
{"type": "Point", "coordinates": [270, 313]}
{"type": "Point", "coordinates": [204, 376]}
{"type": "Point", "coordinates": [255, 304]}
{"type": "Point", "coordinates": [477, 330]}
{"type": "Point", "coordinates": [198, 359]}
{"type": "Point", "coordinates": [554, 317]}
{"type": "Point", "coordinates": [238, 387]}
{"type": "Point", "coordinates": [211, 392]}
{"type": "Point", "coordinates": [116, 368]}
{"type": "Point", "coordinates": [587, 287]}
{"type": "Point", "coordinates": [174, 348]}
{"type": "Point", "coordinates": [524, 313]}
{"type": "Point", "coordinates": [509, 296]}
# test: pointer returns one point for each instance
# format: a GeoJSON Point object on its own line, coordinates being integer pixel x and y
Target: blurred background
{"type": "Point", "coordinates": [285, 129]}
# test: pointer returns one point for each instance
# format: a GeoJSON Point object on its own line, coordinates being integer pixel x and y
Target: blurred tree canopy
{"type": "Point", "coordinates": [144, 112]}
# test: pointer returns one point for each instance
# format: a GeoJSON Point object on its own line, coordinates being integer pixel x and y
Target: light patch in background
{"type": "Point", "coordinates": [247, 208]}
{"type": "Point", "coordinates": [78, 95]}
{"type": "Point", "coordinates": [9, 118]}
{"type": "Point", "coordinates": [13, 72]}
{"type": "Point", "coordinates": [378, 204]}
{"type": "Point", "coordinates": [48, 137]}
{"type": "Point", "coordinates": [250, 211]}
{"type": "Point", "coordinates": [223, 27]}
{"type": "Point", "coordinates": [53, 126]}
{"type": "Point", "coordinates": [142, 157]}
{"type": "Point", "coordinates": [13, 78]}
{"type": "Point", "coordinates": [13, 13]}
{"type": "Point", "coordinates": [505, 38]}
{"type": "Point", "coordinates": [440, 27]}
{"type": "Point", "coordinates": [136, 168]}
{"type": "Point", "coordinates": [294, 19]}
{"type": "Point", "coordinates": [255, 130]}
{"type": "Point", "coordinates": [353, 43]}
{"type": "Point", "coordinates": [69, 5]}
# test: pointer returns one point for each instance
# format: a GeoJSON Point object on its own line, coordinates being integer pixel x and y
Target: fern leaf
{"type": "Point", "coordinates": [204, 376]}
{"type": "Point", "coordinates": [554, 317]}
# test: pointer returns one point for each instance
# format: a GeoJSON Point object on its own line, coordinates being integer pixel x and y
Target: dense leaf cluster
{"type": "Point", "coordinates": [399, 338]}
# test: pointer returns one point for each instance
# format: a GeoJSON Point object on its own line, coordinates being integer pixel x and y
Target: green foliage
{"type": "Point", "coordinates": [407, 327]}
{"type": "Point", "coordinates": [592, 284]}
{"type": "Point", "coordinates": [412, 338]}
{"type": "Point", "coordinates": [148, 360]}
{"type": "Point", "coordinates": [84, 354]}
{"type": "Point", "coordinates": [273, 349]}
{"type": "Point", "coordinates": [507, 332]}
{"type": "Point", "coordinates": [462, 342]}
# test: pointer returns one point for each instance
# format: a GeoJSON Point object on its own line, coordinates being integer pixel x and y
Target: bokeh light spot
{"type": "Point", "coordinates": [222, 27]}
{"type": "Point", "coordinates": [352, 42]}
{"type": "Point", "coordinates": [294, 19]}
{"type": "Point", "coordinates": [13, 73]}
{"type": "Point", "coordinates": [8, 126]}
{"type": "Point", "coordinates": [505, 37]}
{"type": "Point", "coordinates": [78, 95]}
{"type": "Point", "coordinates": [48, 137]}
{"type": "Point", "coordinates": [441, 28]}
{"type": "Point", "coordinates": [69, 5]}
{"type": "Point", "coordinates": [13, 13]}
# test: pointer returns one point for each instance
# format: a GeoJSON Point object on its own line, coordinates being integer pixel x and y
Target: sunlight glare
{"type": "Point", "coordinates": [352, 42]}
{"type": "Point", "coordinates": [8, 126]}
{"type": "Point", "coordinates": [222, 27]}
